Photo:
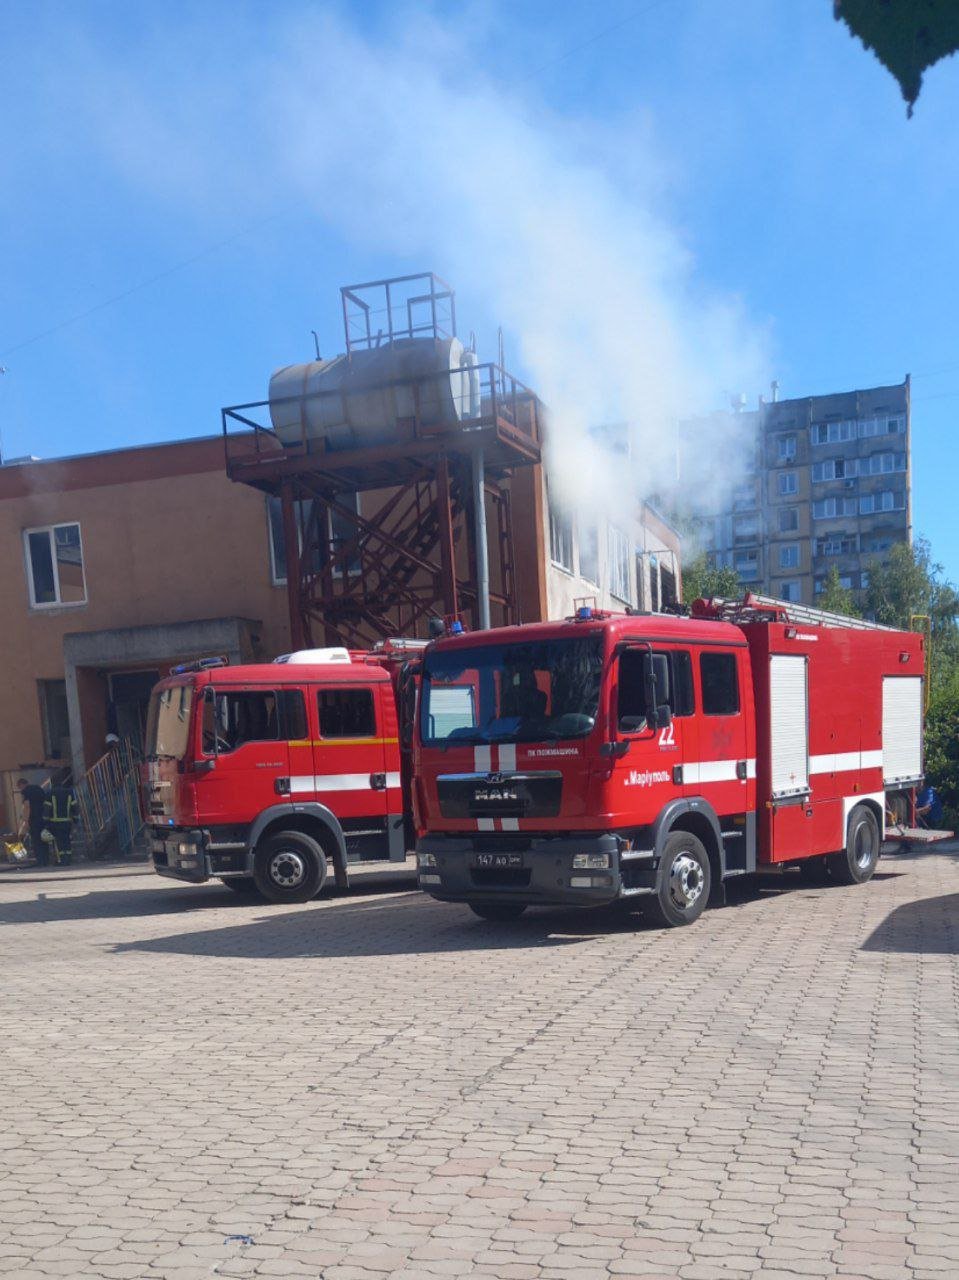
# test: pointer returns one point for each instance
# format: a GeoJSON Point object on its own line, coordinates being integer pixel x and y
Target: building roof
{"type": "Point", "coordinates": [112, 466]}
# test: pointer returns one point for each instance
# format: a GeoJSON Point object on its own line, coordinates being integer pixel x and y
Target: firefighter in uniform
{"type": "Point", "coordinates": [59, 814]}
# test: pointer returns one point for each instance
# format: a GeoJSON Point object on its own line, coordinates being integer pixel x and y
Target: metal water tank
{"type": "Point", "coordinates": [358, 400]}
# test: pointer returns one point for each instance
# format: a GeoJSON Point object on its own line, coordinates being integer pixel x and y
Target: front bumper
{"type": "Point", "coordinates": [546, 876]}
{"type": "Point", "coordinates": [180, 854]}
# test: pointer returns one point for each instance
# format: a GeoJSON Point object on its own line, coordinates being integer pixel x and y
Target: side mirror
{"type": "Point", "coordinates": [655, 687]}
{"type": "Point", "coordinates": [664, 717]}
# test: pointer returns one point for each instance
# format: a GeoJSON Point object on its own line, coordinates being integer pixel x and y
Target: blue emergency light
{"type": "Point", "coordinates": [584, 613]}
{"type": "Point", "coordinates": [456, 628]}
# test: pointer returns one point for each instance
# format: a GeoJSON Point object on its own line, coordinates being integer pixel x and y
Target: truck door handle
{"type": "Point", "coordinates": [378, 781]}
{"type": "Point", "coordinates": [741, 770]}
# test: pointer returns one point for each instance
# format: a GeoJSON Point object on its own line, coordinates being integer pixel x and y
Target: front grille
{"type": "Point", "coordinates": [535, 794]}
{"type": "Point", "coordinates": [500, 877]}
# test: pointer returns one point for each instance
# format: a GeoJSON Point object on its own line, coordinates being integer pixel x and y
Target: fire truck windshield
{"type": "Point", "coordinates": [168, 722]}
{"type": "Point", "coordinates": [528, 692]}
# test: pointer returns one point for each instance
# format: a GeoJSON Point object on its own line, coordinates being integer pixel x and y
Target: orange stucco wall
{"type": "Point", "coordinates": [166, 538]}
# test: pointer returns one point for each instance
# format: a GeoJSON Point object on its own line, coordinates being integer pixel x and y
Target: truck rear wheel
{"type": "Point", "coordinates": [500, 911]}
{"type": "Point", "coordinates": [856, 863]}
{"type": "Point", "coordinates": [289, 867]}
{"type": "Point", "coordinates": [684, 882]}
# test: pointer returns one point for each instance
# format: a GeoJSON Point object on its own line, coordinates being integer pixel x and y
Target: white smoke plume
{"type": "Point", "coordinates": [552, 226]}
{"type": "Point", "coordinates": [540, 219]}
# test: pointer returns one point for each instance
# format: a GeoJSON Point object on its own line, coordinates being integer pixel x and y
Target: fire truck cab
{"type": "Point", "coordinates": [267, 776]}
{"type": "Point", "coordinates": [653, 757]}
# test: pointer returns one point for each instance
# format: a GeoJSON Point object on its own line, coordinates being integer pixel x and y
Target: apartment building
{"type": "Point", "coordinates": [827, 481]}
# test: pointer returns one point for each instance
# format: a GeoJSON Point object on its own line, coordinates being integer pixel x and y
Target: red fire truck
{"type": "Point", "coordinates": [653, 757]}
{"type": "Point", "coordinates": [264, 776]}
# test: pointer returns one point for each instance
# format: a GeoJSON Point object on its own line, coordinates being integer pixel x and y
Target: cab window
{"type": "Point", "coordinates": [720, 682]}
{"type": "Point", "coordinates": [346, 713]}
{"type": "Point", "coordinates": [677, 695]}
{"type": "Point", "coordinates": [234, 718]}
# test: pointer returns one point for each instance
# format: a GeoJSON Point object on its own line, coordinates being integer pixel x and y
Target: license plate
{"type": "Point", "coordinates": [498, 861]}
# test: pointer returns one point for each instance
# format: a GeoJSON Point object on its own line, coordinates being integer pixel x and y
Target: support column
{"type": "Point", "coordinates": [447, 550]}
{"type": "Point", "coordinates": [479, 535]}
{"type": "Point", "coordinates": [291, 539]}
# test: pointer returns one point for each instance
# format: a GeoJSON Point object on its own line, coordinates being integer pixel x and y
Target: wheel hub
{"type": "Point", "coordinates": [862, 847]}
{"type": "Point", "coordinates": [685, 881]}
{"type": "Point", "coordinates": [287, 869]}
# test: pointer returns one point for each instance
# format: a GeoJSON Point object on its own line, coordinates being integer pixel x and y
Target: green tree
{"type": "Point", "coordinates": [942, 745]}
{"type": "Point", "coordinates": [911, 583]}
{"type": "Point", "coordinates": [907, 36]}
{"type": "Point", "coordinates": [702, 579]}
{"type": "Point", "coordinates": [836, 598]}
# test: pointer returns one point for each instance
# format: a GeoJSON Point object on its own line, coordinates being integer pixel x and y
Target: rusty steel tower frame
{"type": "Point", "coordinates": [425, 544]}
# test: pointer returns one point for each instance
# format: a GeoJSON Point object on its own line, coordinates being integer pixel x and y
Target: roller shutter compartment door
{"type": "Point", "coordinates": [789, 724]}
{"type": "Point", "coordinates": [901, 728]}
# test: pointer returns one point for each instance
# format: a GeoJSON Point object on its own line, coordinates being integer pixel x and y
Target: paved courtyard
{"type": "Point", "coordinates": [199, 1086]}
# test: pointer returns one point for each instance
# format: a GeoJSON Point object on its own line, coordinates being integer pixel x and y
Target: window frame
{"type": "Point", "coordinates": [49, 530]}
{"type": "Point", "coordinates": [592, 529]}
{"type": "Point", "coordinates": [363, 689]}
{"type": "Point", "coordinates": [707, 655]}
{"type": "Point", "coordinates": [561, 530]}
{"type": "Point", "coordinates": [642, 653]}
{"type": "Point", "coordinates": [275, 579]}
{"type": "Point", "coordinates": [211, 693]}
{"type": "Point", "coordinates": [787, 446]}
{"type": "Point", "coordinates": [619, 542]}
{"type": "Point", "coordinates": [793, 526]}
{"type": "Point", "coordinates": [782, 489]}
{"type": "Point", "coordinates": [789, 555]}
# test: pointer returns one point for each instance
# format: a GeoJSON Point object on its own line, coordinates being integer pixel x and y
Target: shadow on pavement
{"type": "Point", "coordinates": [403, 924]}
{"type": "Point", "coordinates": [927, 927]}
{"type": "Point", "coordinates": [409, 923]}
{"type": "Point", "coordinates": [65, 899]}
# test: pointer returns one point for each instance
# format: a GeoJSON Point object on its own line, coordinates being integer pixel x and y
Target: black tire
{"type": "Point", "coordinates": [240, 884]}
{"type": "Point", "coordinates": [684, 883]}
{"type": "Point", "coordinates": [857, 862]}
{"type": "Point", "coordinates": [289, 867]}
{"type": "Point", "coordinates": [815, 870]}
{"type": "Point", "coordinates": [498, 911]}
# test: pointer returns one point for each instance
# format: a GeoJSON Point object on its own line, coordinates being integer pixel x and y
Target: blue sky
{"type": "Point", "coordinates": [731, 192]}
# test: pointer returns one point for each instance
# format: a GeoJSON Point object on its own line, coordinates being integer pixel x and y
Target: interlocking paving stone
{"type": "Point", "coordinates": [378, 1085]}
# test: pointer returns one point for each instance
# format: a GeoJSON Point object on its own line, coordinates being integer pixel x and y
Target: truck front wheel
{"type": "Point", "coordinates": [684, 882]}
{"type": "Point", "coordinates": [289, 867]}
{"type": "Point", "coordinates": [856, 863]}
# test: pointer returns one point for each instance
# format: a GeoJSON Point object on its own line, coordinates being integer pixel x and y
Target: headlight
{"type": "Point", "coordinates": [426, 859]}
{"type": "Point", "coordinates": [187, 849]}
{"type": "Point", "coordinates": [590, 861]}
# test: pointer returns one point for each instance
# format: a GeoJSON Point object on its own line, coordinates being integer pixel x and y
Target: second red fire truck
{"type": "Point", "coordinates": [654, 757]}
{"type": "Point", "coordinates": [273, 775]}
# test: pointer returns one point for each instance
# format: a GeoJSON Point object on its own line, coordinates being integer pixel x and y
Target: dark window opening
{"type": "Point", "coordinates": [54, 718]}
{"type": "Point", "coordinates": [231, 720]}
{"type": "Point", "coordinates": [717, 671]}
{"type": "Point", "coordinates": [346, 713]}
{"type": "Point", "coordinates": [674, 673]}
